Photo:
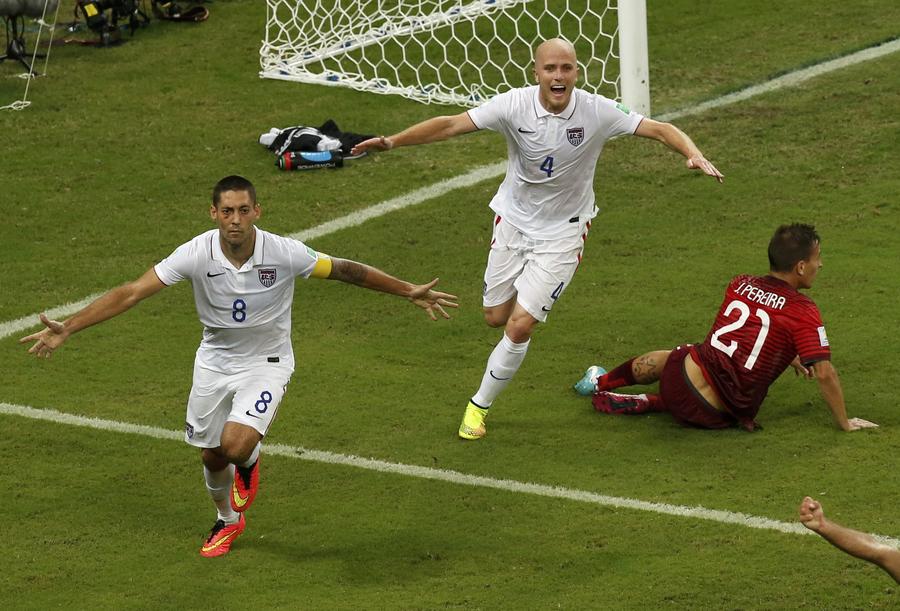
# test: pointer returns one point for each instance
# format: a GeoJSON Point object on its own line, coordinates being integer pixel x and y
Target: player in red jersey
{"type": "Point", "coordinates": [763, 325]}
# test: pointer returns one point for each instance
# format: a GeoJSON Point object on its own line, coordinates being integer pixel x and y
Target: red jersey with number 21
{"type": "Point", "coordinates": [762, 325]}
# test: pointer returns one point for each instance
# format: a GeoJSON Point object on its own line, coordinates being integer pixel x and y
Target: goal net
{"type": "Point", "coordinates": [454, 51]}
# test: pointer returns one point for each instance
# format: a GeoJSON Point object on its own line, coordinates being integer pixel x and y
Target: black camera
{"type": "Point", "coordinates": [94, 12]}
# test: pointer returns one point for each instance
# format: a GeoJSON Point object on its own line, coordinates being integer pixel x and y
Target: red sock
{"type": "Point", "coordinates": [618, 377]}
{"type": "Point", "coordinates": [629, 405]}
{"type": "Point", "coordinates": [656, 404]}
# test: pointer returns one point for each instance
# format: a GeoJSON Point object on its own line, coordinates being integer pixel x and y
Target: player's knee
{"type": "Point", "coordinates": [237, 448]}
{"type": "Point", "coordinates": [519, 330]}
{"type": "Point", "coordinates": [237, 453]}
{"type": "Point", "coordinates": [213, 459]}
{"type": "Point", "coordinates": [495, 318]}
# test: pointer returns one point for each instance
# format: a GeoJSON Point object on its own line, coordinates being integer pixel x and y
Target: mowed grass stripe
{"type": "Point", "coordinates": [454, 477]}
{"type": "Point", "coordinates": [494, 170]}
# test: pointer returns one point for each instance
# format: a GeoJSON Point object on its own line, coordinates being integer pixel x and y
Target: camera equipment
{"type": "Point", "coordinates": [172, 11]}
{"type": "Point", "coordinates": [94, 12]}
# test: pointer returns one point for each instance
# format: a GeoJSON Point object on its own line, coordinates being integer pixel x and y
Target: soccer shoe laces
{"type": "Point", "coordinates": [219, 525]}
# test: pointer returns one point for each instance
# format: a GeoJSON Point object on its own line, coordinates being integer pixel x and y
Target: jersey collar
{"type": "Point", "coordinates": [541, 112]}
{"type": "Point", "coordinates": [258, 257]}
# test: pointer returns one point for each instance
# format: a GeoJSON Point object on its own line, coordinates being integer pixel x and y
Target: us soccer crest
{"type": "Point", "coordinates": [575, 135]}
{"type": "Point", "coordinates": [266, 277]}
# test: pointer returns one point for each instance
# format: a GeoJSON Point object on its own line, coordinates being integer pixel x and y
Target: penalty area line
{"type": "Point", "coordinates": [444, 475]}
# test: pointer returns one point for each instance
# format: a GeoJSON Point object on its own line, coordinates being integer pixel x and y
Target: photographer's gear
{"type": "Point", "coordinates": [94, 12]}
{"type": "Point", "coordinates": [172, 11]}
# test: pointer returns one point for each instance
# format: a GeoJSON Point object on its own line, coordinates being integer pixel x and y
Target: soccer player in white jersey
{"type": "Point", "coordinates": [243, 283]}
{"type": "Point", "coordinates": [554, 134]}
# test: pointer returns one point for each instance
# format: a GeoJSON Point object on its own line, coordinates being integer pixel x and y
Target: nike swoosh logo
{"type": "Point", "coordinates": [545, 309]}
{"type": "Point", "coordinates": [253, 415]}
{"type": "Point", "coordinates": [239, 501]}
{"type": "Point", "coordinates": [219, 543]}
{"type": "Point", "coordinates": [208, 275]}
{"type": "Point", "coordinates": [496, 378]}
{"type": "Point", "coordinates": [525, 131]}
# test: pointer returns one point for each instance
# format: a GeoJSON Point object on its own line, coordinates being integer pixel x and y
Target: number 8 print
{"type": "Point", "coordinates": [265, 397]}
{"type": "Point", "coordinates": [239, 310]}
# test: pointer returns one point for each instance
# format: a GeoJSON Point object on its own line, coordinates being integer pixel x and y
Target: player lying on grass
{"type": "Point", "coordinates": [243, 281]}
{"type": "Point", "coordinates": [763, 325]}
{"type": "Point", "coordinates": [555, 133]}
{"type": "Point", "coordinates": [851, 541]}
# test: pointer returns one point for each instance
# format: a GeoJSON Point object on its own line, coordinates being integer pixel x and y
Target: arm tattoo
{"type": "Point", "coordinates": [348, 271]}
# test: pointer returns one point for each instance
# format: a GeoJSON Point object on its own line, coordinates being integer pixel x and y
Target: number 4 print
{"type": "Point", "coordinates": [547, 166]}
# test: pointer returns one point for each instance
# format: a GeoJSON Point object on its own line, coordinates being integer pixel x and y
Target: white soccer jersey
{"type": "Point", "coordinates": [246, 312]}
{"type": "Point", "coordinates": [548, 190]}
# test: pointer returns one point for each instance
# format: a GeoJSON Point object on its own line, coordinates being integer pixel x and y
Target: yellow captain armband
{"type": "Point", "coordinates": [322, 268]}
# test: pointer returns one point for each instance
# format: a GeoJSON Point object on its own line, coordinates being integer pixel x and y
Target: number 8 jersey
{"type": "Point", "coordinates": [246, 312]}
{"type": "Point", "coordinates": [762, 325]}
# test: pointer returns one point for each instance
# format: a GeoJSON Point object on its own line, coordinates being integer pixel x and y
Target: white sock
{"type": "Point", "coordinates": [219, 485]}
{"type": "Point", "coordinates": [253, 456]}
{"type": "Point", "coordinates": [502, 365]}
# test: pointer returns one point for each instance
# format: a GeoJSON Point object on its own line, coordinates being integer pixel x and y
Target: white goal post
{"type": "Point", "coordinates": [455, 51]}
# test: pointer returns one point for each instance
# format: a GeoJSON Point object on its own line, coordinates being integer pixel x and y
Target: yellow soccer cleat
{"type": "Point", "coordinates": [472, 426]}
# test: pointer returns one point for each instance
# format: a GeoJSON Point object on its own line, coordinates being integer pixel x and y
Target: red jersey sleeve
{"type": "Point", "coordinates": [809, 334]}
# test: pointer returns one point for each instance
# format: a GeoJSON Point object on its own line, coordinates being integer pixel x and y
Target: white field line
{"type": "Point", "coordinates": [497, 169]}
{"type": "Point", "coordinates": [444, 475]}
{"type": "Point", "coordinates": [788, 80]}
{"type": "Point", "coordinates": [26, 322]}
{"type": "Point", "coordinates": [412, 198]}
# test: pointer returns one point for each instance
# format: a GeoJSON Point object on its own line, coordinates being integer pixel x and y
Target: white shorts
{"type": "Point", "coordinates": [250, 397]}
{"type": "Point", "coordinates": [535, 272]}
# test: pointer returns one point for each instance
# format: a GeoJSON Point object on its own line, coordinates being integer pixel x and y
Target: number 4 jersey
{"type": "Point", "coordinates": [762, 325]}
{"type": "Point", "coordinates": [548, 192]}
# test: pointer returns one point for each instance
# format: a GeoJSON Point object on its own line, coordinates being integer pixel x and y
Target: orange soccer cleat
{"type": "Point", "coordinates": [246, 483]}
{"type": "Point", "coordinates": [221, 537]}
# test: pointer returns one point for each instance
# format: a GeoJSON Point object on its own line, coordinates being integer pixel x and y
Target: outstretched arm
{"type": "Point", "coordinates": [830, 386]}
{"type": "Point", "coordinates": [430, 130]}
{"type": "Point", "coordinates": [851, 541]}
{"type": "Point", "coordinates": [103, 308]}
{"type": "Point", "coordinates": [373, 278]}
{"type": "Point", "coordinates": [678, 141]}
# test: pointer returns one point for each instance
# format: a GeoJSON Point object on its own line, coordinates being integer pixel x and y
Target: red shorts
{"type": "Point", "coordinates": [683, 401]}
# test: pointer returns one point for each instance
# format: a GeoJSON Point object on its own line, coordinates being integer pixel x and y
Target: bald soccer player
{"type": "Point", "coordinates": [555, 133]}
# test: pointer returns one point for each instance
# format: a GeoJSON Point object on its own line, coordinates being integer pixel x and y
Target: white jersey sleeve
{"type": "Point", "coordinates": [492, 114]}
{"type": "Point", "coordinates": [303, 258]}
{"type": "Point", "coordinates": [182, 263]}
{"type": "Point", "coordinates": [615, 119]}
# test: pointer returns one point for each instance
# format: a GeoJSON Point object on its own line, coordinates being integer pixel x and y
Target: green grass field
{"type": "Point", "coordinates": [111, 168]}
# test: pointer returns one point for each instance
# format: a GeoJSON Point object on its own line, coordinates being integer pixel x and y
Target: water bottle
{"type": "Point", "coordinates": [305, 160]}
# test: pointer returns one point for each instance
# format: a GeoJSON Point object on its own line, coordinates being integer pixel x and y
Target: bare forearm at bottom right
{"type": "Point", "coordinates": [862, 546]}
